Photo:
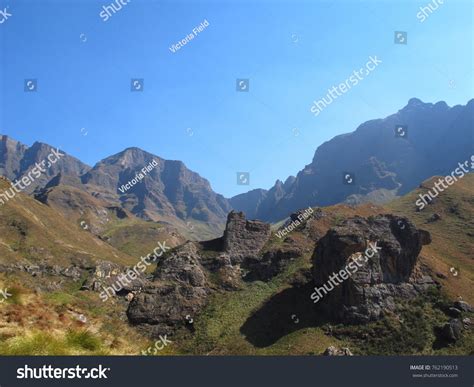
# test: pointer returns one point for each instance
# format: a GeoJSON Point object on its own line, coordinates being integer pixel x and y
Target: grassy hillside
{"type": "Point", "coordinates": [39, 322]}
{"type": "Point", "coordinates": [111, 223]}
{"type": "Point", "coordinates": [33, 233]}
{"type": "Point", "coordinates": [452, 235]}
{"type": "Point", "coordinates": [65, 322]}
{"type": "Point", "coordinates": [137, 237]}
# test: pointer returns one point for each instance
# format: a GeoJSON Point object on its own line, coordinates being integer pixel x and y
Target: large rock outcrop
{"type": "Point", "coordinates": [186, 276]}
{"type": "Point", "coordinates": [243, 238]}
{"type": "Point", "coordinates": [373, 287]}
{"type": "Point", "coordinates": [179, 288]}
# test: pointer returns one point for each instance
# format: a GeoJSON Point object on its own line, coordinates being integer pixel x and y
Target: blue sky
{"type": "Point", "coordinates": [291, 52]}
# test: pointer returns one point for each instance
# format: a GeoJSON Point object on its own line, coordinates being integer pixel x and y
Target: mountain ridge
{"type": "Point", "coordinates": [382, 164]}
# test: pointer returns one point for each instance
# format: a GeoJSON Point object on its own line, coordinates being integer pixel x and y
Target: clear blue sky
{"type": "Point", "coordinates": [291, 51]}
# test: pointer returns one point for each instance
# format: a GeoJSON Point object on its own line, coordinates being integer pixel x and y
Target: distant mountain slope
{"type": "Point", "coordinates": [382, 165]}
{"type": "Point", "coordinates": [258, 202]}
{"type": "Point", "coordinates": [165, 192]}
{"type": "Point", "coordinates": [16, 160]}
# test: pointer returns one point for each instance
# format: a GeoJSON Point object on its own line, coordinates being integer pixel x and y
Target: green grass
{"type": "Point", "coordinates": [452, 235]}
{"type": "Point", "coordinates": [41, 343]}
{"type": "Point", "coordinates": [83, 340]}
{"type": "Point", "coordinates": [36, 344]}
{"type": "Point", "coordinates": [60, 298]}
{"type": "Point", "coordinates": [218, 327]}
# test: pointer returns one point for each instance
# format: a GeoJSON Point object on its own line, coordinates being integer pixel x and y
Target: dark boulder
{"type": "Point", "coordinates": [434, 218]}
{"type": "Point", "coordinates": [162, 307]}
{"type": "Point", "coordinates": [182, 266]}
{"type": "Point", "coordinates": [454, 312]}
{"type": "Point", "coordinates": [387, 248]}
{"type": "Point", "coordinates": [452, 330]}
{"type": "Point", "coordinates": [463, 306]}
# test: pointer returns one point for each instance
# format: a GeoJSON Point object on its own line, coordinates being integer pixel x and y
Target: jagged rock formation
{"type": "Point", "coordinates": [186, 276]}
{"type": "Point", "coordinates": [390, 273]}
{"type": "Point", "coordinates": [243, 237]}
{"type": "Point", "coordinates": [179, 288]}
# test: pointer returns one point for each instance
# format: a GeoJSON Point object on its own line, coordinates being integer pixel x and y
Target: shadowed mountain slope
{"type": "Point", "coordinates": [380, 163]}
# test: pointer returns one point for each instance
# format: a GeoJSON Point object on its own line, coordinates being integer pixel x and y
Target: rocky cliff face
{"type": "Point", "coordinates": [11, 154]}
{"type": "Point", "coordinates": [179, 288]}
{"type": "Point", "coordinates": [390, 272]}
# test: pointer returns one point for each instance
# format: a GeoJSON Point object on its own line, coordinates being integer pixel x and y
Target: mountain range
{"type": "Point", "coordinates": [380, 160]}
{"type": "Point", "coordinates": [170, 192]}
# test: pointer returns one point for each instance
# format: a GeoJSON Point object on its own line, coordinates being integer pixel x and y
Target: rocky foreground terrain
{"type": "Point", "coordinates": [248, 291]}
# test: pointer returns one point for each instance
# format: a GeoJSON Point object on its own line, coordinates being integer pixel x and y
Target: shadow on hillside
{"type": "Point", "coordinates": [286, 312]}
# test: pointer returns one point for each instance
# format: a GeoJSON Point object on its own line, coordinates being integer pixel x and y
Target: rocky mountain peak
{"type": "Point", "coordinates": [413, 102]}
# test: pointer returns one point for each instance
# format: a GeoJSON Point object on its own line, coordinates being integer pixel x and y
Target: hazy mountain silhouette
{"type": "Point", "coordinates": [383, 165]}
